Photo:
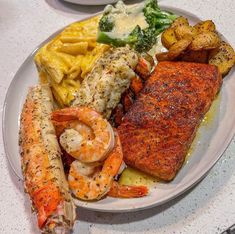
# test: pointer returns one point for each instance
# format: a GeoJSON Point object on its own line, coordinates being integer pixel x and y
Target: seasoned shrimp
{"type": "Point", "coordinates": [43, 172]}
{"type": "Point", "coordinates": [127, 191]}
{"type": "Point", "coordinates": [89, 182]}
{"type": "Point", "coordinates": [143, 68]}
{"type": "Point", "coordinates": [75, 144]}
{"type": "Point", "coordinates": [116, 190]}
{"type": "Point", "coordinates": [85, 131]}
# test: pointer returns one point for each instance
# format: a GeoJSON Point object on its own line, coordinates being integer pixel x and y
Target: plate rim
{"type": "Point", "coordinates": [89, 4]}
{"type": "Point", "coordinates": [170, 197]}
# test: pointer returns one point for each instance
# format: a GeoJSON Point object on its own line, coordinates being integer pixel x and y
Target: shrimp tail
{"type": "Point", "coordinates": [127, 191]}
{"type": "Point", "coordinates": [93, 181]}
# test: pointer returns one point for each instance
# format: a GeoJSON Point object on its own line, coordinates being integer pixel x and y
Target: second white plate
{"type": "Point", "coordinates": [92, 2]}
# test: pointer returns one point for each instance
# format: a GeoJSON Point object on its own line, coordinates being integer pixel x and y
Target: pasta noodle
{"type": "Point", "coordinates": [66, 60]}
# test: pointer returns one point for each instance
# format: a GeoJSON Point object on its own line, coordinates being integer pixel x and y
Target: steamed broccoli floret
{"type": "Point", "coordinates": [141, 40]}
{"type": "Point", "coordinates": [135, 35]}
{"type": "Point", "coordinates": [103, 37]}
{"type": "Point", "coordinates": [155, 17]}
{"type": "Point", "coordinates": [106, 23]}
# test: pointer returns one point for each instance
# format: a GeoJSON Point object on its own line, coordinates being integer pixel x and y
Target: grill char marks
{"type": "Point", "coordinates": [158, 130]}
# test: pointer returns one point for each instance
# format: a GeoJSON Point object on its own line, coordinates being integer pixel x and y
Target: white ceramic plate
{"type": "Point", "coordinates": [92, 2]}
{"type": "Point", "coordinates": [211, 141]}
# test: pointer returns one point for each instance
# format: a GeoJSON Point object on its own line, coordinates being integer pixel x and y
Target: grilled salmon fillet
{"type": "Point", "coordinates": [158, 130]}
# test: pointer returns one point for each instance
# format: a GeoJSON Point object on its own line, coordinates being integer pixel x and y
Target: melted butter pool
{"type": "Point", "coordinates": [132, 176]}
{"type": "Point", "coordinates": [206, 123]}
{"type": "Point", "coordinates": [208, 119]}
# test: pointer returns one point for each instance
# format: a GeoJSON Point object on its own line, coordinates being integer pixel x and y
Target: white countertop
{"type": "Point", "coordinates": [207, 208]}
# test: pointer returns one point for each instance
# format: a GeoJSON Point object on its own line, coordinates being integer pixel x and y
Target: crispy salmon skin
{"type": "Point", "coordinates": [158, 130]}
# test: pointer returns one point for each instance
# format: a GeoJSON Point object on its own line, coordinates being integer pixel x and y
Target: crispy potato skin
{"type": "Point", "coordinates": [205, 26]}
{"type": "Point", "coordinates": [180, 21]}
{"type": "Point", "coordinates": [185, 31]}
{"type": "Point", "coordinates": [168, 38]}
{"type": "Point", "coordinates": [223, 57]}
{"type": "Point", "coordinates": [157, 131]}
{"type": "Point", "coordinates": [178, 48]}
{"type": "Point", "coordinates": [175, 50]}
{"type": "Point", "coordinates": [205, 41]}
{"type": "Point", "coordinates": [199, 43]}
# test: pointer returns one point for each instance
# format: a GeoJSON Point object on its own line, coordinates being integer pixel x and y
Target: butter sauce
{"type": "Point", "coordinates": [126, 19]}
{"type": "Point", "coordinates": [132, 176]}
{"type": "Point", "coordinates": [206, 123]}
{"type": "Point", "coordinates": [212, 112]}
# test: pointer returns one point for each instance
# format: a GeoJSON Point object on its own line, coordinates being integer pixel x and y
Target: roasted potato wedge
{"type": "Point", "coordinates": [168, 38]}
{"type": "Point", "coordinates": [185, 31]}
{"type": "Point", "coordinates": [200, 56]}
{"type": "Point", "coordinates": [174, 51]}
{"type": "Point", "coordinates": [223, 57]}
{"type": "Point", "coordinates": [205, 26]}
{"type": "Point", "coordinates": [178, 48]}
{"type": "Point", "coordinates": [199, 43]}
{"type": "Point", "coordinates": [205, 41]}
{"type": "Point", "coordinates": [179, 22]}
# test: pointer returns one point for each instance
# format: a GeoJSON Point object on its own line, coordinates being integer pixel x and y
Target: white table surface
{"type": "Point", "coordinates": [207, 208]}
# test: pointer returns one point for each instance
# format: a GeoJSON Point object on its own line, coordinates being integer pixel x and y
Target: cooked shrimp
{"type": "Point", "coordinates": [73, 142]}
{"type": "Point", "coordinates": [43, 172]}
{"type": "Point", "coordinates": [89, 182]}
{"type": "Point", "coordinates": [136, 85]}
{"type": "Point", "coordinates": [116, 190]}
{"type": "Point", "coordinates": [143, 68]}
{"type": "Point", "coordinates": [85, 131]}
{"type": "Point", "coordinates": [127, 191]}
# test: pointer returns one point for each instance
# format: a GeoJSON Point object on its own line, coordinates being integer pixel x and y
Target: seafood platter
{"type": "Point", "coordinates": [125, 111]}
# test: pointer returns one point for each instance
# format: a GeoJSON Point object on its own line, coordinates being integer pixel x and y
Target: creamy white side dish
{"type": "Point", "coordinates": [110, 77]}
